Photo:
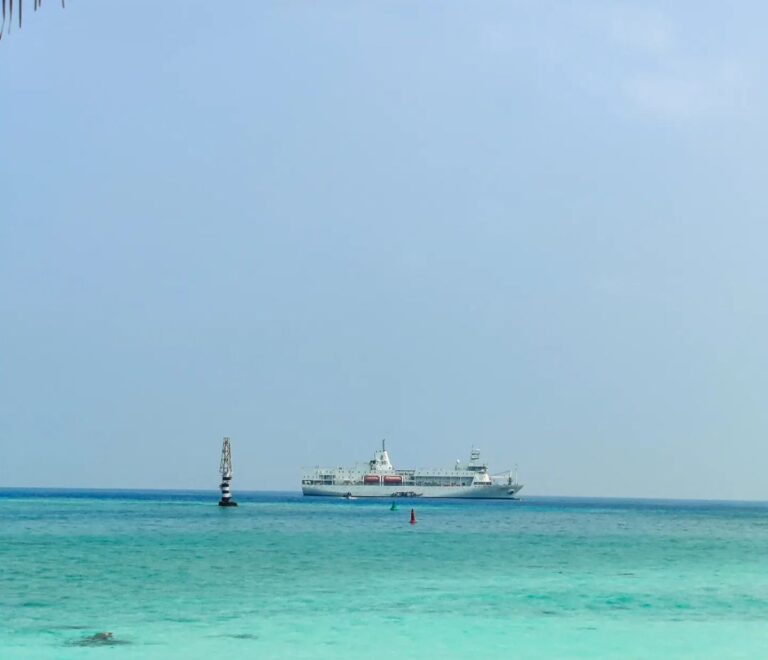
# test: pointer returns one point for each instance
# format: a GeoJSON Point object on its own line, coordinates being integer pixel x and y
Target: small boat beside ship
{"type": "Point", "coordinates": [379, 478]}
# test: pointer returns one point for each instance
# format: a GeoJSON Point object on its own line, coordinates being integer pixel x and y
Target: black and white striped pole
{"type": "Point", "coordinates": [226, 475]}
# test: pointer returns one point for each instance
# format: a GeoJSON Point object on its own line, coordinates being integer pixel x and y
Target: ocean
{"type": "Point", "coordinates": [172, 575]}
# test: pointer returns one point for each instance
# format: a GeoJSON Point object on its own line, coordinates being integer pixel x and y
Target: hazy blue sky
{"type": "Point", "coordinates": [538, 227]}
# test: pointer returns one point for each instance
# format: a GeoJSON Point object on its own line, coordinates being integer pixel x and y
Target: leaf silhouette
{"type": "Point", "coordinates": [7, 13]}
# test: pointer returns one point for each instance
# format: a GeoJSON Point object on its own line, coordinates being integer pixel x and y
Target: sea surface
{"type": "Point", "coordinates": [172, 575]}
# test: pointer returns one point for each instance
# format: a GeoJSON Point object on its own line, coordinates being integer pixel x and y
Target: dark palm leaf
{"type": "Point", "coordinates": [8, 12]}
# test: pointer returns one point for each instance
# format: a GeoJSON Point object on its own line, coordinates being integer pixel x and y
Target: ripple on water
{"type": "Point", "coordinates": [291, 576]}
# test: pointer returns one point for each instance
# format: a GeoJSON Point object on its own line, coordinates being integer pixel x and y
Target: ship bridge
{"type": "Point", "coordinates": [474, 464]}
{"type": "Point", "coordinates": [475, 467]}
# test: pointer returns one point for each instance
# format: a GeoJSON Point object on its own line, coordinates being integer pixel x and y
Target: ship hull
{"type": "Point", "coordinates": [480, 492]}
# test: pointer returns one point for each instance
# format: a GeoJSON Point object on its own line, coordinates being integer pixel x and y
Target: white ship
{"type": "Point", "coordinates": [378, 478]}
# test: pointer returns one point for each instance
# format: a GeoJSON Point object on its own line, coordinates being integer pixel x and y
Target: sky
{"type": "Point", "coordinates": [539, 228]}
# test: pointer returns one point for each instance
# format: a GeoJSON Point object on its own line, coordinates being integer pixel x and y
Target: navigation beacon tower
{"type": "Point", "coordinates": [225, 468]}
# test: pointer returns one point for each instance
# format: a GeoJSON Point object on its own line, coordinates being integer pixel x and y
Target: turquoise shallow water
{"type": "Point", "coordinates": [174, 576]}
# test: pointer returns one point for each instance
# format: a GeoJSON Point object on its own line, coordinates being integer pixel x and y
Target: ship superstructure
{"type": "Point", "coordinates": [379, 478]}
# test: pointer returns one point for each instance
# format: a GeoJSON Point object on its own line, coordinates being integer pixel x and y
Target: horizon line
{"type": "Point", "coordinates": [298, 492]}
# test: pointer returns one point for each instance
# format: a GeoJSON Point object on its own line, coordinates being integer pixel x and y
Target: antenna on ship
{"type": "Point", "coordinates": [225, 468]}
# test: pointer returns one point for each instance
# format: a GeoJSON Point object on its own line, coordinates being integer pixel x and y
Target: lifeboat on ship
{"type": "Point", "coordinates": [393, 480]}
{"type": "Point", "coordinates": [371, 480]}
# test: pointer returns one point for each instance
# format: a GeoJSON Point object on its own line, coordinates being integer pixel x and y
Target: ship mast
{"type": "Point", "coordinates": [225, 469]}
